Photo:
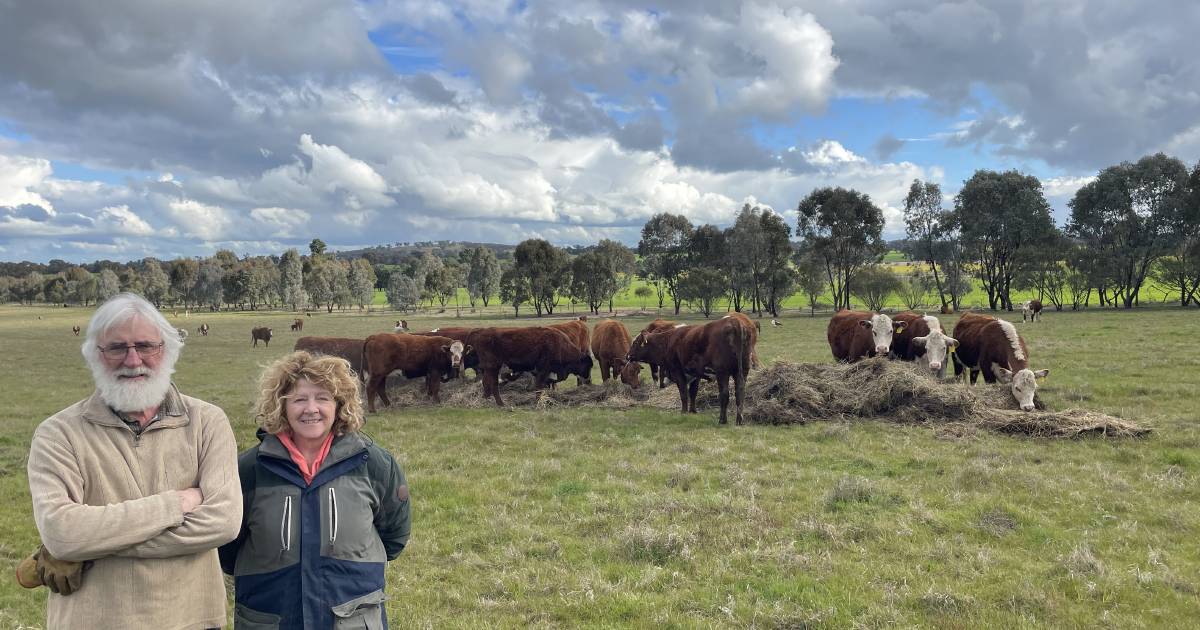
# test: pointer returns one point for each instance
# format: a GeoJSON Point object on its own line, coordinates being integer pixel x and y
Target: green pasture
{"type": "Point", "coordinates": [644, 518]}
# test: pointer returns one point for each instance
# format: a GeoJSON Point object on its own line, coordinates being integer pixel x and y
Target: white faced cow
{"type": "Point", "coordinates": [993, 347]}
{"type": "Point", "coordinates": [855, 335]}
{"type": "Point", "coordinates": [923, 342]}
{"type": "Point", "coordinates": [1031, 311]}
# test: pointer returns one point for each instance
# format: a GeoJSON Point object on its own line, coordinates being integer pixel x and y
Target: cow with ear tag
{"type": "Point", "coordinates": [992, 347]}
{"type": "Point", "coordinates": [855, 335]}
{"type": "Point", "coordinates": [923, 342]}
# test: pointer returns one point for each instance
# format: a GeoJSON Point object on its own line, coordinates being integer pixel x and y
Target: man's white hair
{"type": "Point", "coordinates": [118, 310]}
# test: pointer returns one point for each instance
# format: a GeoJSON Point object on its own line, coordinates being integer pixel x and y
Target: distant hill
{"type": "Point", "coordinates": [398, 252]}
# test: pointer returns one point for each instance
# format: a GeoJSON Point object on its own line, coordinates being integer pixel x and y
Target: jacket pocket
{"type": "Point", "coordinates": [249, 619]}
{"type": "Point", "coordinates": [364, 612]}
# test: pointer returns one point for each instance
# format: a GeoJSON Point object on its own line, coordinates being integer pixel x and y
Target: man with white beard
{"type": "Point", "coordinates": [134, 487]}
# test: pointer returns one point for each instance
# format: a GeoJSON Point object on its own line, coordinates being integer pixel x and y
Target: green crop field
{"type": "Point", "coordinates": [645, 518]}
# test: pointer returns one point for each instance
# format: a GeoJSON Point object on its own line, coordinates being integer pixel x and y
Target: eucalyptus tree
{"type": "Point", "coordinates": [842, 229]}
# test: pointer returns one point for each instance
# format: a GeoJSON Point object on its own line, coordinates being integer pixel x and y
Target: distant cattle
{"type": "Point", "coordinates": [721, 347]}
{"type": "Point", "coordinates": [610, 345]}
{"type": "Point", "coordinates": [923, 341]}
{"type": "Point", "coordinates": [183, 333]}
{"type": "Point", "coordinates": [344, 347]}
{"type": "Point", "coordinates": [263, 333]}
{"type": "Point", "coordinates": [775, 322]}
{"type": "Point", "coordinates": [855, 335]}
{"type": "Point", "coordinates": [401, 326]}
{"type": "Point", "coordinates": [297, 325]}
{"type": "Point", "coordinates": [203, 330]}
{"type": "Point", "coordinates": [540, 350]}
{"type": "Point", "coordinates": [414, 355]}
{"type": "Point", "coordinates": [658, 325]}
{"type": "Point", "coordinates": [1031, 311]}
{"type": "Point", "coordinates": [75, 329]}
{"type": "Point", "coordinates": [993, 346]}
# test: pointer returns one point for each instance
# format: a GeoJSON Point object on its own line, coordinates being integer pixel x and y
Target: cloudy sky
{"type": "Point", "coordinates": [132, 128]}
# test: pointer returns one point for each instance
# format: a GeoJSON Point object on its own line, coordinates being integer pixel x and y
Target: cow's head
{"type": "Point", "coordinates": [882, 328]}
{"type": "Point", "coordinates": [637, 349]}
{"type": "Point", "coordinates": [584, 368]}
{"type": "Point", "coordinates": [937, 347]}
{"type": "Point", "coordinates": [631, 374]}
{"type": "Point", "coordinates": [456, 351]}
{"type": "Point", "coordinates": [1024, 383]}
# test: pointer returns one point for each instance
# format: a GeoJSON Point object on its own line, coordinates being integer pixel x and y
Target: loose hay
{"type": "Point", "coordinates": [798, 393]}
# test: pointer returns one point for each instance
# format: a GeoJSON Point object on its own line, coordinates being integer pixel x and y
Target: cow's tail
{"type": "Point", "coordinates": [362, 358]}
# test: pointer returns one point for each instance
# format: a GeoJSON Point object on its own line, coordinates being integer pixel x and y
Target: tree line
{"type": "Point", "coordinates": [1132, 223]}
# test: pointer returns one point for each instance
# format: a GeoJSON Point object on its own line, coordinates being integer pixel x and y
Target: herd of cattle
{"type": "Point", "coordinates": [685, 354]}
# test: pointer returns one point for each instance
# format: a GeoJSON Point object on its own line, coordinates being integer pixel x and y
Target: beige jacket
{"type": "Point", "coordinates": [102, 494]}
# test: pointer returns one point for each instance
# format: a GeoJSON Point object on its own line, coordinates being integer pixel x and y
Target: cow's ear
{"type": "Point", "coordinates": [865, 323]}
{"type": "Point", "coordinates": [919, 341]}
{"type": "Point", "coordinates": [951, 342]}
{"type": "Point", "coordinates": [1002, 375]}
{"type": "Point", "coordinates": [1041, 373]}
{"type": "Point", "coordinates": [467, 349]}
{"type": "Point", "coordinates": [900, 326]}
{"type": "Point", "coordinates": [445, 348]}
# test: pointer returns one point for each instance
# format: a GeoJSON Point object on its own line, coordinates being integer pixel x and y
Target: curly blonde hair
{"type": "Point", "coordinates": [332, 373]}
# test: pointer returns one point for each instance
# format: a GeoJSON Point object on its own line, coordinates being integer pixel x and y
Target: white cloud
{"type": "Point", "coordinates": [797, 60]}
{"type": "Point", "coordinates": [121, 220]}
{"type": "Point", "coordinates": [18, 175]}
{"type": "Point", "coordinates": [281, 222]}
{"type": "Point", "coordinates": [200, 220]}
{"type": "Point", "coordinates": [1065, 186]}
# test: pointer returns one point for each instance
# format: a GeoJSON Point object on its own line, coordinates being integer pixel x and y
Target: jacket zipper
{"type": "Point", "coordinates": [333, 516]}
{"type": "Point", "coordinates": [285, 528]}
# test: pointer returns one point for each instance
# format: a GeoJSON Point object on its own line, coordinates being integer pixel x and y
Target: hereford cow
{"type": "Point", "coordinates": [203, 330]}
{"type": "Point", "coordinates": [721, 347]}
{"type": "Point", "coordinates": [658, 325]}
{"type": "Point", "coordinates": [923, 341]}
{"type": "Point", "coordinates": [1031, 311]}
{"type": "Point", "coordinates": [75, 329]}
{"type": "Point", "coordinates": [183, 333]}
{"type": "Point", "coordinates": [263, 333]}
{"type": "Point", "coordinates": [610, 345]}
{"type": "Point", "coordinates": [993, 347]}
{"type": "Point", "coordinates": [414, 356]}
{"type": "Point", "coordinates": [401, 326]}
{"type": "Point", "coordinates": [342, 347]}
{"type": "Point", "coordinates": [297, 325]}
{"type": "Point", "coordinates": [855, 335]}
{"type": "Point", "coordinates": [540, 350]}
{"type": "Point", "coordinates": [457, 333]}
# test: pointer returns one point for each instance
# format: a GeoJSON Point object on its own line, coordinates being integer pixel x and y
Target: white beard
{"type": "Point", "coordinates": [132, 396]}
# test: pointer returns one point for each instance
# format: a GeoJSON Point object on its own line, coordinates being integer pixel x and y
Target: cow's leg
{"type": "Point", "coordinates": [975, 376]}
{"type": "Point", "coordinates": [723, 389]}
{"type": "Point", "coordinates": [739, 393]}
{"type": "Point", "coordinates": [683, 393]}
{"type": "Point", "coordinates": [491, 380]}
{"type": "Point", "coordinates": [373, 385]}
{"type": "Point", "coordinates": [433, 382]}
{"type": "Point", "coordinates": [693, 388]}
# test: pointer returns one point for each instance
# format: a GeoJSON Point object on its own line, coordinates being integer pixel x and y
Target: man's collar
{"type": "Point", "coordinates": [98, 411]}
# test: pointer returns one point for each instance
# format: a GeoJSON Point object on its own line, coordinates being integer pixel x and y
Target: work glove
{"type": "Point", "coordinates": [60, 576]}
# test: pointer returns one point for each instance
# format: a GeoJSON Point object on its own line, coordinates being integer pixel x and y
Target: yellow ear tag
{"type": "Point", "coordinates": [951, 349]}
{"type": "Point", "coordinates": [899, 330]}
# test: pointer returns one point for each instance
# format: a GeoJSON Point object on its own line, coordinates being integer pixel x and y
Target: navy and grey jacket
{"type": "Point", "coordinates": [313, 555]}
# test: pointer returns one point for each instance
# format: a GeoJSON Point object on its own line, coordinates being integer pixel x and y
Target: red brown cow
{"type": "Point", "coordinates": [343, 347]}
{"type": "Point", "coordinates": [414, 356]}
{"type": "Point", "coordinates": [855, 335]}
{"type": "Point", "coordinates": [1031, 311]}
{"type": "Point", "coordinates": [263, 333]}
{"type": "Point", "coordinates": [993, 347]}
{"type": "Point", "coordinates": [610, 345]}
{"type": "Point", "coordinates": [297, 325]}
{"type": "Point", "coordinates": [577, 331]}
{"type": "Point", "coordinates": [721, 346]}
{"type": "Point", "coordinates": [658, 325]}
{"type": "Point", "coordinates": [923, 342]}
{"type": "Point", "coordinates": [401, 326]}
{"type": "Point", "coordinates": [458, 333]}
{"type": "Point", "coordinates": [203, 330]}
{"type": "Point", "coordinates": [631, 374]}
{"type": "Point", "coordinates": [752, 328]}
{"type": "Point", "coordinates": [543, 351]}
{"type": "Point", "coordinates": [75, 329]}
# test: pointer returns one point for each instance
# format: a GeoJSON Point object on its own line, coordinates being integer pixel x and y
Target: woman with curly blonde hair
{"type": "Point", "coordinates": [325, 507]}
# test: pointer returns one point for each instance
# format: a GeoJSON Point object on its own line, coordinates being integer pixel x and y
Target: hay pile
{"type": "Point", "coordinates": [798, 393]}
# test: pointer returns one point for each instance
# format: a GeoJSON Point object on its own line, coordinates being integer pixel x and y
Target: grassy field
{"type": "Point", "coordinates": [644, 518]}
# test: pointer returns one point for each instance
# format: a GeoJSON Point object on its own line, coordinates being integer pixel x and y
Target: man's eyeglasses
{"type": "Point", "coordinates": [145, 350]}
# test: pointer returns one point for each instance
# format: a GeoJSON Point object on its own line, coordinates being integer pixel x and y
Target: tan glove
{"type": "Point", "coordinates": [60, 576]}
